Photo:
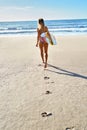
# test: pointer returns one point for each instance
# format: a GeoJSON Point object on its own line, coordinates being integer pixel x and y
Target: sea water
{"type": "Point", "coordinates": [57, 27]}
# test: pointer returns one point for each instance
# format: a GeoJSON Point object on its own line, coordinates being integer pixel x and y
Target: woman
{"type": "Point", "coordinates": [41, 41]}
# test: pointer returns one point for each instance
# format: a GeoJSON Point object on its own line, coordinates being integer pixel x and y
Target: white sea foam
{"type": "Point", "coordinates": [54, 26]}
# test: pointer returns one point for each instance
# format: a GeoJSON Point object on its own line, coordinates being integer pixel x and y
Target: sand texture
{"type": "Point", "coordinates": [32, 98]}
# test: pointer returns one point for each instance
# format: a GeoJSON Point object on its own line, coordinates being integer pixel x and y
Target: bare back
{"type": "Point", "coordinates": [42, 30]}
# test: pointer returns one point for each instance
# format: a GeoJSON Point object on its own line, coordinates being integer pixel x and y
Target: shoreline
{"type": "Point", "coordinates": [35, 35]}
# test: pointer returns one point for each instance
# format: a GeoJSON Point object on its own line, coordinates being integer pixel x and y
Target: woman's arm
{"type": "Point", "coordinates": [38, 36]}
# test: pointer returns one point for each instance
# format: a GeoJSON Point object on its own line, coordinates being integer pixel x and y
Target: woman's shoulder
{"type": "Point", "coordinates": [38, 30]}
{"type": "Point", "coordinates": [46, 28]}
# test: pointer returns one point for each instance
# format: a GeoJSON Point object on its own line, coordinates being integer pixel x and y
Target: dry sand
{"type": "Point", "coordinates": [23, 84]}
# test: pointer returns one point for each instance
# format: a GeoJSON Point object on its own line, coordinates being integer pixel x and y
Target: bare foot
{"type": "Point", "coordinates": [45, 66]}
{"type": "Point", "coordinates": [43, 61]}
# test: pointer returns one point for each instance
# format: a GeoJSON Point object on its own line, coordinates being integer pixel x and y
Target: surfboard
{"type": "Point", "coordinates": [48, 40]}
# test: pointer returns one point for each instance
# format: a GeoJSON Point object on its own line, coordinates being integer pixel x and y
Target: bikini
{"type": "Point", "coordinates": [43, 37]}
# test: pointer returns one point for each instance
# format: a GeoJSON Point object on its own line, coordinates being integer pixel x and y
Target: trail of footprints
{"type": "Point", "coordinates": [46, 114]}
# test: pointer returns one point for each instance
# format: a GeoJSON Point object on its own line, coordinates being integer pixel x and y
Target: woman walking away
{"type": "Point", "coordinates": [42, 30]}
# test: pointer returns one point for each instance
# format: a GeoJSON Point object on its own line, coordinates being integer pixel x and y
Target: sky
{"type": "Point", "coordinates": [17, 10]}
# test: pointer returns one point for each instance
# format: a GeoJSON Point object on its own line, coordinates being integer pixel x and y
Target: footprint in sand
{"type": "Point", "coordinates": [70, 128]}
{"type": "Point", "coordinates": [46, 77]}
{"type": "Point", "coordinates": [49, 114]}
{"type": "Point", "coordinates": [50, 82]}
{"type": "Point", "coordinates": [45, 114]}
{"type": "Point", "coordinates": [48, 92]}
{"type": "Point", "coordinates": [40, 65]}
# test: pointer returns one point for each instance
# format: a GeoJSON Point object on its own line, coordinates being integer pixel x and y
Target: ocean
{"type": "Point", "coordinates": [57, 27]}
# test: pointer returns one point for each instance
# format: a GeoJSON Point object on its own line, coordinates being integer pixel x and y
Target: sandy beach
{"type": "Point", "coordinates": [27, 90]}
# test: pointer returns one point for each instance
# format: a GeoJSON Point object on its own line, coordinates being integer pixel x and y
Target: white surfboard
{"type": "Point", "coordinates": [48, 40]}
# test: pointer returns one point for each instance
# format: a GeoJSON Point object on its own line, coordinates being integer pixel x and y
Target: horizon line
{"type": "Point", "coordinates": [44, 19]}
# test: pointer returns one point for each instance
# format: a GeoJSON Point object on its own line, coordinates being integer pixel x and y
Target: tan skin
{"type": "Point", "coordinates": [43, 46]}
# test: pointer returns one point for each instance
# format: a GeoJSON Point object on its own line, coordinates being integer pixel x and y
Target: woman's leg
{"type": "Point", "coordinates": [41, 51]}
{"type": "Point", "coordinates": [46, 53]}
